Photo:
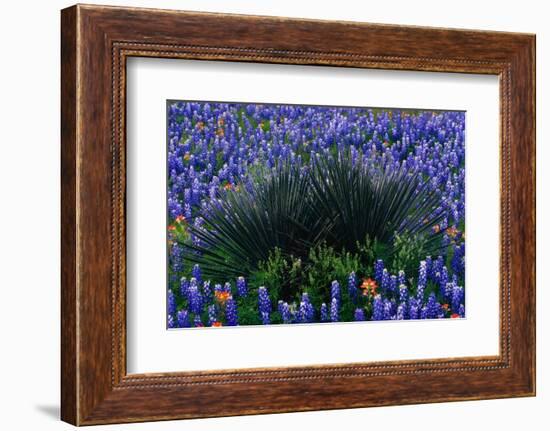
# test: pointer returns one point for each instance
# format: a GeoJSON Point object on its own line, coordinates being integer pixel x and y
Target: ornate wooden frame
{"type": "Point", "coordinates": [95, 43]}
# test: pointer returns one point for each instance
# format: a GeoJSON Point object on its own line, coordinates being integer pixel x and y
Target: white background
{"type": "Point", "coordinates": [153, 349]}
{"type": "Point", "coordinates": [29, 178]}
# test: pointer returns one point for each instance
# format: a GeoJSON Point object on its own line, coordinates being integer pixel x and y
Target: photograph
{"type": "Point", "coordinates": [302, 214]}
{"type": "Point", "coordinates": [264, 210]}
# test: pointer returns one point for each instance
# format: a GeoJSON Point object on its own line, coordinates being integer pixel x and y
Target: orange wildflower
{"type": "Point", "coordinates": [171, 227]}
{"type": "Point", "coordinates": [221, 122]}
{"type": "Point", "coordinates": [369, 286]}
{"type": "Point", "coordinates": [220, 132]}
{"type": "Point", "coordinates": [180, 219]}
{"type": "Point", "coordinates": [228, 186]}
{"type": "Point", "coordinates": [455, 316]}
{"type": "Point", "coordinates": [200, 125]}
{"type": "Point", "coordinates": [217, 324]}
{"type": "Point", "coordinates": [222, 296]}
{"type": "Point", "coordinates": [186, 156]}
{"type": "Point", "coordinates": [452, 231]}
{"type": "Point", "coordinates": [445, 306]}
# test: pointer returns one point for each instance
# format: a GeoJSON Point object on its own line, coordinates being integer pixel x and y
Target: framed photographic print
{"type": "Point", "coordinates": [265, 214]}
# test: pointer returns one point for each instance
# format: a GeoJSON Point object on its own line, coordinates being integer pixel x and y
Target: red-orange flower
{"type": "Point", "coordinates": [180, 219]}
{"type": "Point", "coordinates": [445, 306]}
{"type": "Point", "coordinates": [200, 125]}
{"type": "Point", "coordinates": [171, 227]}
{"type": "Point", "coordinates": [222, 296]}
{"type": "Point", "coordinates": [220, 132]}
{"type": "Point", "coordinates": [217, 324]}
{"type": "Point", "coordinates": [455, 316]}
{"type": "Point", "coordinates": [452, 231]}
{"type": "Point", "coordinates": [228, 186]}
{"type": "Point", "coordinates": [369, 286]}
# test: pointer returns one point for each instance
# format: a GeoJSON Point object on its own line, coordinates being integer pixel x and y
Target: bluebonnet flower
{"type": "Point", "coordinates": [429, 267]}
{"type": "Point", "coordinates": [443, 280]}
{"type": "Point", "coordinates": [414, 308]}
{"type": "Point", "coordinates": [334, 313]}
{"type": "Point", "coordinates": [231, 314]}
{"type": "Point", "coordinates": [196, 273]}
{"type": "Point", "coordinates": [264, 305]}
{"type": "Point", "coordinates": [183, 319]}
{"type": "Point", "coordinates": [378, 308]}
{"type": "Point", "coordinates": [378, 270]}
{"type": "Point", "coordinates": [393, 284]}
{"type": "Point", "coordinates": [388, 309]}
{"type": "Point", "coordinates": [403, 294]}
{"type": "Point", "coordinates": [359, 315]}
{"type": "Point", "coordinates": [401, 278]}
{"type": "Point", "coordinates": [170, 322]}
{"type": "Point", "coordinates": [457, 298]}
{"type": "Point", "coordinates": [422, 279]}
{"type": "Point", "coordinates": [187, 211]}
{"type": "Point", "coordinates": [284, 311]}
{"type": "Point", "coordinates": [401, 311]}
{"type": "Point", "coordinates": [264, 315]}
{"type": "Point", "coordinates": [352, 285]}
{"type": "Point", "coordinates": [212, 315]}
{"type": "Point", "coordinates": [197, 321]}
{"type": "Point", "coordinates": [184, 287]}
{"type": "Point", "coordinates": [306, 309]}
{"type": "Point", "coordinates": [207, 290]}
{"type": "Point", "coordinates": [171, 302]}
{"type": "Point", "coordinates": [461, 311]}
{"type": "Point", "coordinates": [438, 265]}
{"type": "Point", "coordinates": [449, 289]}
{"type": "Point", "coordinates": [457, 262]}
{"type": "Point", "coordinates": [424, 312]}
{"type": "Point", "coordinates": [176, 257]}
{"type": "Point", "coordinates": [195, 297]}
{"type": "Point", "coordinates": [242, 289]}
{"type": "Point", "coordinates": [325, 317]}
{"type": "Point", "coordinates": [335, 292]}
{"type": "Point", "coordinates": [227, 287]}
{"type": "Point", "coordinates": [385, 283]}
{"type": "Point", "coordinates": [433, 307]}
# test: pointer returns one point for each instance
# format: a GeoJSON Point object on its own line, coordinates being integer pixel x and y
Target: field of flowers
{"type": "Point", "coordinates": [302, 214]}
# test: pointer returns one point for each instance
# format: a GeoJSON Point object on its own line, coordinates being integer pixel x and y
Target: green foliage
{"type": "Point", "coordinates": [248, 309]}
{"type": "Point", "coordinates": [286, 277]}
{"type": "Point", "coordinates": [277, 273]}
{"type": "Point", "coordinates": [408, 251]}
{"type": "Point", "coordinates": [325, 265]}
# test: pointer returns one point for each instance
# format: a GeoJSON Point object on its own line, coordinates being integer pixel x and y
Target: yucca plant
{"type": "Point", "coordinates": [242, 227]}
{"type": "Point", "coordinates": [358, 201]}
